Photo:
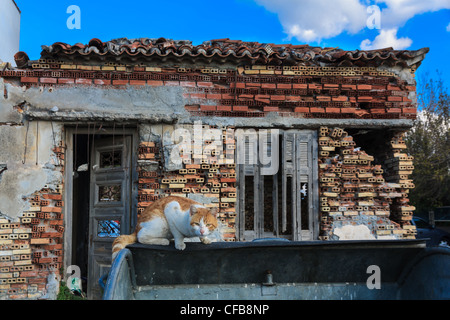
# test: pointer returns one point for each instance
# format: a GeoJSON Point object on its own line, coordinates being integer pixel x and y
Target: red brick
{"type": "Point", "coordinates": [332, 110]}
{"type": "Point", "coordinates": [207, 108]}
{"type": "Point", "coordinates": [188, 84]}
{"type": "Point", "coordinates": [51, 235]}
{"type": "Point", "coordinates": [394, 110]}
{"type": "Point", "coordinates": [268, 85]}
{"type": "Point", "coordinates": [171, 83]}
{"type": "Point", "coordinates": [57, 259]}
{"type": "Point", "coordinates": [102, 81]}
{"type": "Point", "coordinates": [240, 108]}
{"type": "Point", "coordinates": [48, 80]}
{"type": "Point", "coordinates": [51, 209]}
{"type": "Point", "coordinates": [53, 246]}
{"type": "Point", "coordinates": [293, 98]}
{"type": "Point", "coordinates": [25, 274]}
{"type": "Point", "coordinates": [66, 81]}
{"type": "Point", "coordinates": [314, 86]}
{"type": "Point", "coordinates": [365, 98]}
{"type": "Point", "coordinates": [330, 86]}
{"type": "Point", "coordinates": [271, 109]}
{"type": "Point", "coordinates": [393, 88]}
{"type": "Point", "coordinates": [52, 196]}
{"type": "Point", "coordinates": [138, 82]}
{"type": "Point", "coordinates": [253, 85]}
{"type": "Point", "coordinates": [406, 99]}
{"type": "Point", "coordinates": [302, 109]}
{"type": "Point", "coordinates": [339, 99]}
{"type": "Point", "coordinates": [377, 111]}
{"type": "Point", "coordinates": [299, 86]}
{"type": "Point", "coordinates": [205, 84]}
{"type": "Point", "coordinates": [364, 87]}
{"type": "Point", "coordinates": [323, 98]}
{"type": "Point", "coordinates": [198, 95]}
{"type": "Point", "coordinates": [155, 83]}
{"type": "Point", "coordinates": [84, 81]}
{"type": "Point", "coordinates": [410, 110]}
{"type": "Point", "coordinates": [223, 108]}
{"type": "Point", "coordinates": [348, 110]}
{"type": "Point", "coordinates": [361, 112]}
{"type": "Point", "coordinates": [411, 88]}
{"type": "Point", "coordinates": [278, 97]}
{"type": "Point", "coordinates": [395, 98]}
{"type": "Point", "coordinates": [284, 86]}
{"type": "Point", "coordinates": [45, 260]}
{"type": "Point", "coordinates": [37, 280]}
{"type": "Point", "coordinates": [227, 96]}
{"type": "Point", "coordinates": [214, 96]}
{"type": "Point", "coordinates": [263, 100]}
{"type": "Point", "coordinates": [120, 82]}
{"type": "Point", "coordinates": [29, 79]}
{"type": "Point", "coordinates": [317, 110]}
{"type": "Point", "coordinates": [192, 107]}
{"type": "Point", "coordinates": [348, 87]}
{"type": "Point", "coordinates": [245, 96]}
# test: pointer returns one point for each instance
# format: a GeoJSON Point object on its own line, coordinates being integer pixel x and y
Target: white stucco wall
{"type": "Point", "coordinates": [9, 30]}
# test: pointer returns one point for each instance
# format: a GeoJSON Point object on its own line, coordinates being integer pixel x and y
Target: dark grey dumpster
{"type": "Point", "coordinates": [281, 270]}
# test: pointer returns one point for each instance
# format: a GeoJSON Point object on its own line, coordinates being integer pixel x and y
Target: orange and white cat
{"type": "Point", "coordinates": [171, 218]}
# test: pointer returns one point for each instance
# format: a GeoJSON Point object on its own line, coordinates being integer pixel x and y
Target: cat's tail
{"type": "Point", "coordinates": [121, 242]}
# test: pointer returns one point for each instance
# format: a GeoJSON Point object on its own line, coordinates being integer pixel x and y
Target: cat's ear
{"type": "Point", "coordinates": [193, 209]}
{"type": "Point", "coordinates": [214, 211]}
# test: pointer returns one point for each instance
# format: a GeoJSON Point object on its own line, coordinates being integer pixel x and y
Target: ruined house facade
{"type": "Point", "coordinates": [92, 134]}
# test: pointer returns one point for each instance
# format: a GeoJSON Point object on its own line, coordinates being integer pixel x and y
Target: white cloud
{"type": "Point", "coordinates": [386, 38]}
{"type": "Point", "coordinates": [398, 12]}
{"type": "Point", "coordinates": [314, 20]}
{"type": "Point", "coordinates": [448, 28]}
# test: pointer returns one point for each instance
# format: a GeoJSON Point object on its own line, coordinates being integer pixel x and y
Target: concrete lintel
{"type": "Point", "coordinates": [101, 117]}
{"type": "Point", "coordinates": [269, 121]}
{"type": "Point", "coordinates": [303, 123]}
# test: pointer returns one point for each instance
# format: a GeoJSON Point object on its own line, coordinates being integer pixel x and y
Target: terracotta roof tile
{"type": "Point", "coordinates": [231, 51]}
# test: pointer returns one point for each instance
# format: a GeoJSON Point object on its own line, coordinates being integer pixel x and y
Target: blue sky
{"type": "Point", "coordinates": [404, 24]}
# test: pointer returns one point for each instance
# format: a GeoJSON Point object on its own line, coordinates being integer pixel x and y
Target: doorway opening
{"type": "Point", "coordinates": [100, 202]}
{"type": "Point", "coordinates": [80, 206]}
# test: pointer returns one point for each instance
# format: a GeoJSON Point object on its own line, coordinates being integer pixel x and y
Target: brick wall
{"type": "Point", "coordinates": [251, 91]}
{"type": "Point", "coordinates": [32, 248]}
{"type": "Point", "coordinates": [354, 191]}
{"type": "Point", "coordinates": [211, 176]}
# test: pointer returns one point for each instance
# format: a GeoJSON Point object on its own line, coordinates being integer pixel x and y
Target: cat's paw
{"type": "Point", "coordinates": [206, 240]}
{"type": "Point", "coordinates": [165, 242]}
{"type": "Point", "coordinates": [180, 245]}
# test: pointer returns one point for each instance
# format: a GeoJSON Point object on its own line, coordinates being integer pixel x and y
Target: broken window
{"type": "Point", "coordinates": [108, 228]}
{"type": "Point", "coordinates": [275, 175]}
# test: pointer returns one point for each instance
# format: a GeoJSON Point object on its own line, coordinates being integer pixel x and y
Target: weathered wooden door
{"type": "Point", "coordinates": [110, 204]}
{"type": "Point", "coordinates": [282, 201]}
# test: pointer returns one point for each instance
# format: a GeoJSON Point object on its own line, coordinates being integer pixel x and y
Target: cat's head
{"type": "Point", "coordinates": [203, 220]}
